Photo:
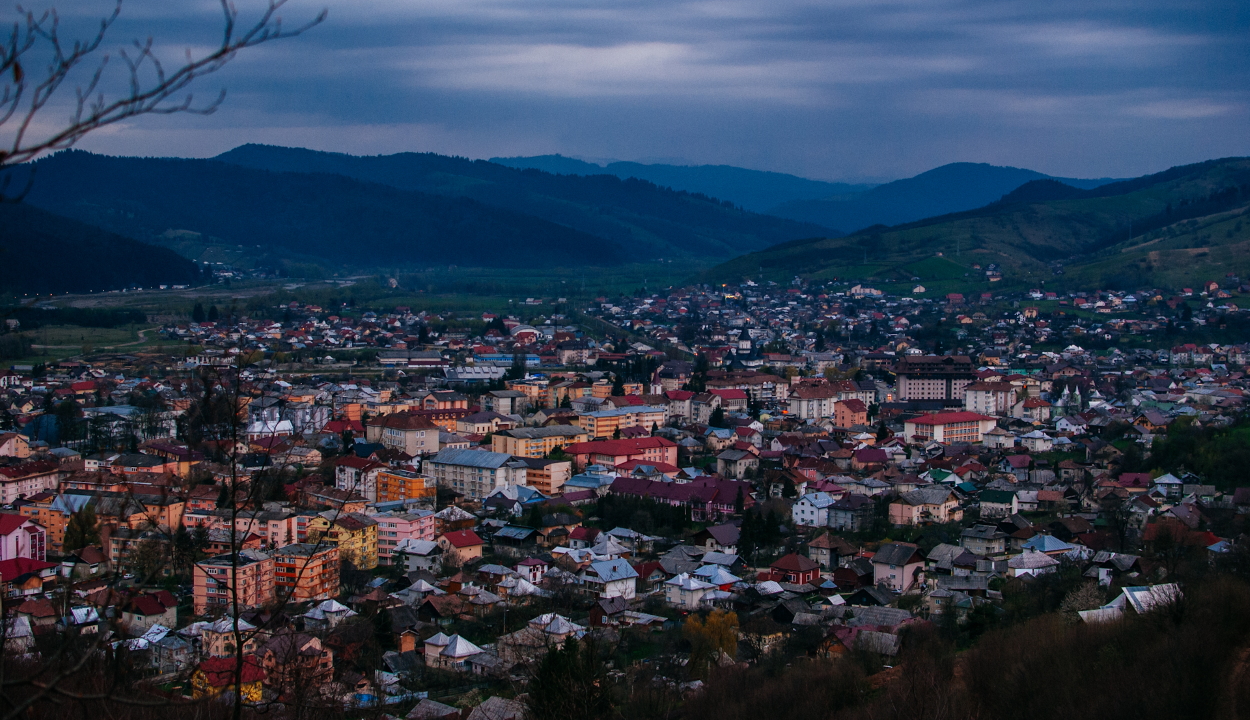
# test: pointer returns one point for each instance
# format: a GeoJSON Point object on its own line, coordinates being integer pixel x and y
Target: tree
{"type": "Point", "coordinates": [711, 637]}
{"type": "Point", "coordinates": [213, 314]}
{"type": "Point", "coordinates": [518, 369]}
{"type": "Point", "coordinates": [197, 313]}
{"type": "Point", "coordinates": [618, 385]}
{"type": "Point", "coordinates": [570, 684]}
{"type": "Point", "coordinates": [35, 62]}
{"type": "Point", "coordinates": [717, 418]}
{"type": "Point", "coordinates": [81, 530]}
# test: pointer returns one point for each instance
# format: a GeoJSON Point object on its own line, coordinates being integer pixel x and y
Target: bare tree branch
{"type": "Point", "coordinates": [153, 89]}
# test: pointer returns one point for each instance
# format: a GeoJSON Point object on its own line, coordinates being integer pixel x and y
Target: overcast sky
{"type": "Point", "coordinates": [835, 89]}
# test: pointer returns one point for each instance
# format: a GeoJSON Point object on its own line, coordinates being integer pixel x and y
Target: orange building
{"type": "Point", "coordinates": [218, 580]}
{"type": "Point", "coordinates": [396, 484]}
{"type": "Point", "coordinates": [306, 571]}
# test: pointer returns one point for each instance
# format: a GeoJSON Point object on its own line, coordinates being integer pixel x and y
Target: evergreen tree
{"type": "Point", "coordinates": [197, 313]}
{"type": "Point", "coordinates": [618, 386]}
{"type": "Point", "coordinates": [213, 314]}
{"type": "Point", "coordinates": [82, 530]}
{"type": "Point", "coordinates": [718, 418]}
{"type": "Point", "coordinates": [570, 684]}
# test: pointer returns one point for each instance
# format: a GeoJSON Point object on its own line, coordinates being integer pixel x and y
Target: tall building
{"type": "Point", "coordinates": [934, 377]}
{"type": "Point", "coordinates": [306, 571]}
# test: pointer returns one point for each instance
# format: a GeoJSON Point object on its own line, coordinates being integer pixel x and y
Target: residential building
{"type": "Point", "coordinates": [247, 575]}
{"type": "Point", "coordinates": [605, 423]}
{"type": "Point", "coordinates": [306, 572]}
{"type": "Point", "coordinates": [949, 427]}
{"type": "Point", "coordinates": [933, 377]}
{"type": "Point", "coordinates": [355, 535]}
{"type": "Point", "coordinates": [611, 578]}
{"type": "Point", "coordinates": [21, 537]}
{"type": "Point", "coordinates": [395, 484]}
{"type": "Point", "coordinates": [360, 476]}
{"type": "Point", "coordinates": [611, 453]}
{"type": "Point", "coordinates": [396, 527]}
{"type": "Point", "coordinates": [898, 566]}
{"type": "Point", "coordinates": [461, 546]}
{"type": "Point", "coordinates": [537, 442]}
{"type": "Point", "coordinates": [926, 505]}
{"type": "Point", "coordinates": [406, 432]}
{"type": "Point", "coordinates": [475, 473]}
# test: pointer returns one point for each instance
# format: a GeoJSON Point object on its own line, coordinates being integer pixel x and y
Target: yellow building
{"type": "Point", "coordinates": [355, 535]}
{"type": "Point", "coordinates": [536, 442]}
{"type": "Point", "coordinates": [605, 423]}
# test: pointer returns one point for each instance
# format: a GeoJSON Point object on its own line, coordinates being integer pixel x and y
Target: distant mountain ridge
{"type": "Point", "coordinates": [637, 217]}
{"type": "Point", "coordinates": [1177, 226]}
{"type": "Point", "coordinates": [287, 205]}
{"type": "Point", "coordinates": [755, 190]}
{"type": "Point", "coordinates": [950, 188]}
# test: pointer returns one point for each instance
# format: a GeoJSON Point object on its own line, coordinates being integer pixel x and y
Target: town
{"type": "Point", "coordinates": [356, 507]}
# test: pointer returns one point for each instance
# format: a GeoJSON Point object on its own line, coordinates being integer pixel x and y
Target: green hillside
{"type": "Point", "coordinates": [642, 220]}
{"type": "Point", "coordinates": [1175, 227]}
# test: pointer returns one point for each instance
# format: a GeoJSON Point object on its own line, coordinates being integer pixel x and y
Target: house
{"type": "Point", "coordinates": [898, 566]}
{"type": "Point", "coordinates": [418, 555]}
{"type": "Point", "coordinates": [719, 538]}
{"type": "Point", "coordinates": [687, 591]}
{"type": "Point", "coordinates": [812, 510]}
{"type": "Point", "coordinates": [926, 505]}
{"type": "Point", "coordinates": [985, 540]}
{"type": "Point", "coordinates": [795, 569]}
{"type": "Point", "coordinates": [21, 537]}
{"type": "Point", "coordinates": [1033, 563]}
{"type": "Point", "coordinates": [461, 546]}
{"type": "Point", "coordinates": [736, 464]}
{"type": "Point", "coordinates": [611, 578]}
{"type": "Point", "coordinates": [217, 675]}
{"type": "Point", "coordinates": [445, 652]}
{"type": "Point", "coordinates": [828, 550]}
{"type": "Point", "coordinates": [143, 611]}
{"type": "Point", "coordinates": [999, 504]}
{"type": "Point", "coordinates": [852, 513]}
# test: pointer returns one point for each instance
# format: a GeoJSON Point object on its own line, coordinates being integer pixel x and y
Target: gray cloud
{"type": "Point", "coordinates": [847, 88]}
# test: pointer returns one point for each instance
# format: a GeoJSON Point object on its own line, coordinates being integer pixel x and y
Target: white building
{"type": "Point", "coordinates": [474, 473]}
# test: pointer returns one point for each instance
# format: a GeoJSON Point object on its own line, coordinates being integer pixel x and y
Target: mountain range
{"type": "Point", "coordinates": [291, 205]}
{"type": "Point", "coordinates": [1178, 226]}
{"type": "Point", "coordinates": [293, 209]}
{"type": "Point", "coordinates": [754, 190]}
{"type": "Point", "coordinates": [845, 207]}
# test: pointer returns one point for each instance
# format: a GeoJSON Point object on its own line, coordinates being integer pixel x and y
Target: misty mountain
{"type": "Point", "coordinates": [950, 188]}
{"type": "Point", "coordinates": [755, 190]}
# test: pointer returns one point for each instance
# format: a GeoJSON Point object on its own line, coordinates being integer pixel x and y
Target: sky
{"type": "Point", "coordinates": [861, 90]}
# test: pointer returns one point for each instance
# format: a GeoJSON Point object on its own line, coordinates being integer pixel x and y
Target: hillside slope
{"type": "Point", "coordinates": [319, 218]}
{"type": "Point", "coordinates": [755, 190]}
{"type": "Point", "coordinates": [950, 188]}
{"type": "Point", "coordinates": [646, 221]}
{"type": "Point", "coordinates": [44, 253]}
{"type": "Point", "coordinates": [1046, 231]}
